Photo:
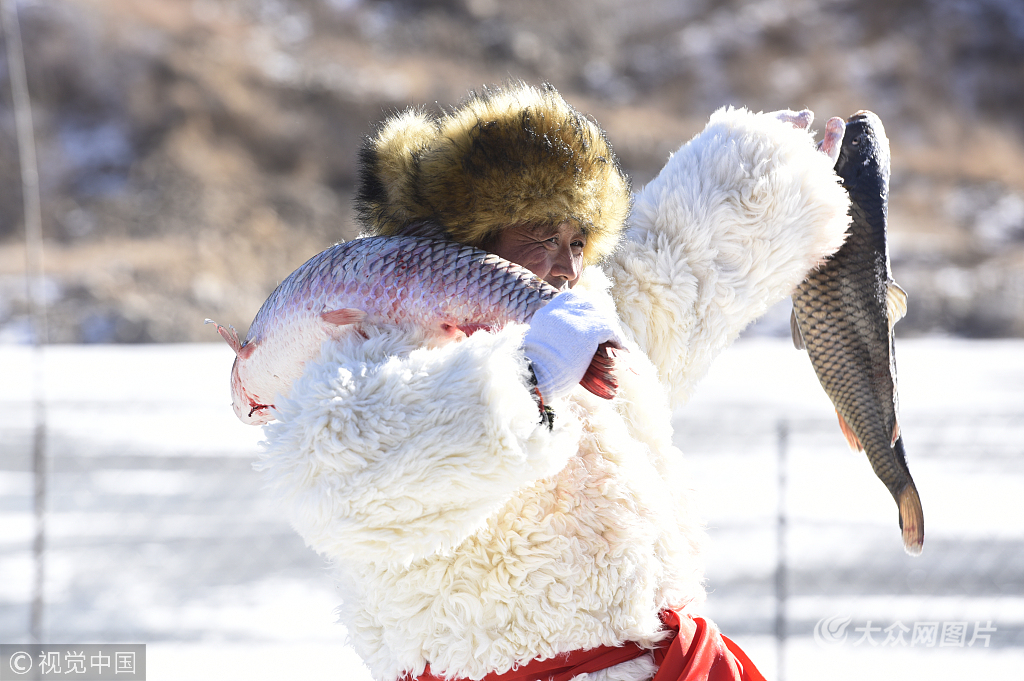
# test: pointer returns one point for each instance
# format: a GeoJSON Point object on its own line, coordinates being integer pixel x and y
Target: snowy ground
{"type": "Point", "coordinates": [157, 530]}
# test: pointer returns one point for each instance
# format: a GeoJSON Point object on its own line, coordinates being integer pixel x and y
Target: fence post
{"type": "Point", "coordinates": [782, 442]}
{"type": "Point", "coordinates": [34, 284]}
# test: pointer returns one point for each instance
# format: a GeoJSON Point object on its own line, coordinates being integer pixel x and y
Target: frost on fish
{"type": "Point", "coordinates": [442, 286]}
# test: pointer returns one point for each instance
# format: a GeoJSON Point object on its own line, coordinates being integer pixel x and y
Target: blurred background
{"type": "Point", "coordinates": [192, 153]}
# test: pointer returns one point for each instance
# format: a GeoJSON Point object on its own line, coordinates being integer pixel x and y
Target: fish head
{"type": "Point", "coordinates": [865, 148]}
{"type": "Point", "coordinates": [251, 397]}
{"type": "Point", "coordinates": [252, 383]}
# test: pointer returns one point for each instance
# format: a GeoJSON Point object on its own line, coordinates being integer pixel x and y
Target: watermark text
{"type": "Point", "coordinates": [835, 630]}
{"type": "Point", "coordinates": [81, 662]}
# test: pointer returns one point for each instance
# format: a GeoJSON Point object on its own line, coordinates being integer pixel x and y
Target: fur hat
{"type": "Point", "coordinates": [504, 157]}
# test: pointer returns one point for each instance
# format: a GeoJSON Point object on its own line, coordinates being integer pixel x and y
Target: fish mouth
{"type": "Point", "coordinates": [252, 412]}
{"type": "Point", "coordinates": [259, 413]}
{"type": "Point", "coordinates": [259, 408]}
{"type": "Point", "coordinates": [866, 117]}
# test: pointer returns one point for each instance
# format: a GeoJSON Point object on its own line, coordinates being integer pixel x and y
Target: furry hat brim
{"type": "Point", "coordinates": [504, 157]}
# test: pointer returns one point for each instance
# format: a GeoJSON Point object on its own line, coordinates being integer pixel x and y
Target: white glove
{"type": "Point", "coordinates": [562, 340]}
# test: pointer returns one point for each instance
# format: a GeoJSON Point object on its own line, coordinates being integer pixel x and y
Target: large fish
{"type": "Point", "coordinates": [843, 315]}
{"type": "Point", "coordinates": [444, 287]}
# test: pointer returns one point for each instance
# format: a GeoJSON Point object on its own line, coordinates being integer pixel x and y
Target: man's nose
{"type": "Point", "coordinates": [565, 266]}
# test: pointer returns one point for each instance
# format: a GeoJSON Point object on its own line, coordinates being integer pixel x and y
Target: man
{"type": "Point", "coordinates": [473, 539]}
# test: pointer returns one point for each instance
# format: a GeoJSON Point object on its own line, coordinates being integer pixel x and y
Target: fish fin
{"type": "Point", "coordinates": [895, 432]}
{"type": "Point", "coordinates": [343, 316]}
{"type": "Point", "coordinates": [230, 336]}
{"type": "Point", "coordinates": [452, 331]}
{"type": "Point", "coordinates": [456, 331]}
{"type": "Point", "coordinates": [895, 303]}
{"type": "Point", "coordinates": [850, 436]}
{"type": "Point", "coordinates": [911, 520]}
{"type": "Point", "coordinates": [470, 329]}
{"type": "Point", "coordinates": [599, 378]}
{"type": "Point", "coordinates": [794, 329]}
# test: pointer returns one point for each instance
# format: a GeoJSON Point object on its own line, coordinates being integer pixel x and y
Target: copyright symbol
{"type": "Point", "coordinates": [21, 662]}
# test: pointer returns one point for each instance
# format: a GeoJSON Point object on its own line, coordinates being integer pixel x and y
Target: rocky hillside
{"type": "Point", "coordinates": [193, 152]}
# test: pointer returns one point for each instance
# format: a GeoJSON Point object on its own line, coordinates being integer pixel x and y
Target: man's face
{"type": "Point", "coordinates": [552, 252]}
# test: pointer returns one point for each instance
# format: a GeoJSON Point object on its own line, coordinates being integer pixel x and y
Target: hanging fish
{"type": "Point", "coordinates": [844, 313]}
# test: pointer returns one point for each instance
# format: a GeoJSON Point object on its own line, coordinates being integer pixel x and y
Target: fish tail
{"type": "Point", "coordinates": [911, 519]}
{"type": "Point", "coordinates": [599, 378]}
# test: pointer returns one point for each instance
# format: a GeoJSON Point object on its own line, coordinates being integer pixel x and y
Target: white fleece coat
{"type": "Point", "coordinates": [467, 535]}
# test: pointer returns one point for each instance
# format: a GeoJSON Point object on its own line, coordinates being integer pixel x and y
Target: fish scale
{"type": "Point", "coordinates": [843, 315]}
{"type": "Point", "coordinates": [444, 287]}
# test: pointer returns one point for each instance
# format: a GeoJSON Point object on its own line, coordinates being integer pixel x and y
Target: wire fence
{"type": "Point", "coordinates": [156, 529]}
{"type": "Point", "coordinates": [821, 546]}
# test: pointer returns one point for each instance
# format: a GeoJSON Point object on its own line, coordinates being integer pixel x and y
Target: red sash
{"type": "Point", "coordinates": [696, 651]}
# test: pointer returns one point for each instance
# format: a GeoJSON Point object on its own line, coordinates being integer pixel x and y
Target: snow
{"type": "Point", "coordinates": [962, 412]}
{"type": "Point", "coordinates": [159, 532]}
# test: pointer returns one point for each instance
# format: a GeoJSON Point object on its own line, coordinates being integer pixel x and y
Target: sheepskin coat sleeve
{"type": "Point", "coordinates": [732, 223]}
{"type": "Point", "coordinates": [391, 449]}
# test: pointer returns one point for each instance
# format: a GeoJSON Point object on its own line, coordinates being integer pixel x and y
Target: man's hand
{"type": "Point", "coordinates": [563, 338]}
{"type": "Point", "coordinates": [835, 127]}
{"type": "Point", "coordinates": [801, 120]}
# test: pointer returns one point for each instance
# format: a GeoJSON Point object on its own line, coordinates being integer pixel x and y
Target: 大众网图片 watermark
{"type": "Point", "coordinates": [82, 662]}
{"type": "Point", "coordinates": [832, 631]}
